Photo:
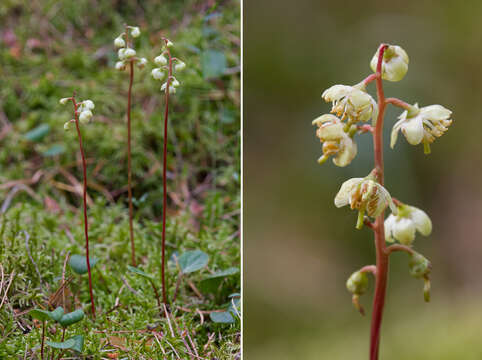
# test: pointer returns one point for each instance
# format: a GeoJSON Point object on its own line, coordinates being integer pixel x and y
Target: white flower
{"type": "Point", "coordinates": [425, 125]}
{"type": "Point", "coordinates": [169, 43]}
{"type": "Point", "coordinates": [89, 104]}
{"type": "Point", "coordinates": [175, 83]}
{"type": "Point", "coordinates": [180, 66]}
{"type": "Point", "coordinates": [365, 195]}
{"type": "Point", "coordinates": [64, 101]}
{"type": "Point", "coordinates": [157, 74]}
{"type": "Point", "coordinates": [85, 116]}
{"type": "Point", "coordinates": [335, 140]}
{"type": "Point", "coordinates": [141, 63]}
{"type": "Point", "coordinates": [351, 102]}
{"type": "Point", "coordinates": [121, 54]}
{"type": "Point", "coordinates": [135, 32]}
{"type": "Point", "coordinates": [67, 125]}
{"type": "Point", "coordinates": [119, 42]}
{"type": "Point", "coordinates": [120, 65]}
{"type": "Point", "coordinates": [402, 226]}
{"type": "Point", "coordinates": [129, 53]}
{"type": "Point", "coordinates": [160, 60]}
{"type": "Point", "coordinates": [394, 65]}
{"type": "Point", "coordinates": [172, 89]}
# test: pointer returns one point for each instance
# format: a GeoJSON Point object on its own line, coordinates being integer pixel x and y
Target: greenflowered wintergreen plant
{"type": "Point", "coordinates": [83, 114]}
{"type": "Point", "coordinates": [167, 65]}
{"type": "Point", "coordinates": [127, 59]}
{"type": "Point", "coordinates": [354, 108]}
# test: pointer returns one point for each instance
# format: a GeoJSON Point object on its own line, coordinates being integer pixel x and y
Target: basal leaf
{"type": "Point", "coordinates": [71, 318]}
{"type": "Point", "coordinates": [38, 133]}
{"type": "Point", "coordinates": [79, 343]}
{"type": "Point", "coordinates": [57, 313]}
{"type": "Point", "coordinates": [39, 314]}
{"type": "Point", "coordinates": [223, 273]}
{"type": "Point", "coordinates": [224, 317]}
{"type": "Point", "coordinates": [78, 263]}
{"type": "Point", "coordinates": [194, 260]}
{"type": "Point", "coordinates": [67, 344]}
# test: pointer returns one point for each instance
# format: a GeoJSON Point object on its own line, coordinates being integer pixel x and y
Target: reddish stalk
{"type": "Point", "coordinates": [378, 228]}
{"type": "Point", "coordinates": [86, 225]}
{"type": "Point", "coordinates": [164, 180]}
{"type": "Point", "coordinates": [397, 102]}
{"type": "Point", "coordinates": [129, 162]}
{"type": "Point", "coordinates": [43, 341]}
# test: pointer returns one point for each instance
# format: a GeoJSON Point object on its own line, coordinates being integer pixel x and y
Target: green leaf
{"type": "Point", "coordinates": [67, 344]}
{"type": "Point", "coordinates": [224, 273]}
{"type": "Point", "coordinates": [224, 317]}
{"type": "Point", "coordinates": [78, 263]}
{"type": "Point", "coordinates": [79, 343]}
{"type": "Point", "coordinates": [39, 314]}
{"type": "Point", "coordinates": [193, 260]}
{"type": "Point", "coordinates": [71, 318]}
{"type": "Point", "coordinates": [54, 150]}
{"type": "Point", "coordinates": [57, 313]}
{"type": "Point", "coordinates": [213, 64]}
{"type": "Point", "coordinates": [38, 133]}
{"type": "Point", "coordinates": [139, 272]}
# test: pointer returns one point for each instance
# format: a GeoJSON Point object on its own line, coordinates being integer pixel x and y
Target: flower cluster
{"type": "Point", "coordinates": [165, 66]}
{"type": "Point", "coordinates": [125, 53]}
{"type": "Point", "coordinates": [83, 111]}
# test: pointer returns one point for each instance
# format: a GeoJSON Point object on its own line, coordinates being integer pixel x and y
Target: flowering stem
{"type": "Point", "coordinates": [399, 247]}
{"type": "Point", "coordinates": [381, 255]}
{"type": "Point", "coordinates": [399, 103]}
{"type": "Point", "coordinates": [86, 224]}
{"type": "Point", "coordinates": [43, 341]}
{"type": "Point", "coordinates": [129, 162]}
{"type": "Point", "coordinates": [369, 268]}
{"type": "Point", "coordinates": [369, 79]}
{"type": "Point", "coordinates": [164, 181]}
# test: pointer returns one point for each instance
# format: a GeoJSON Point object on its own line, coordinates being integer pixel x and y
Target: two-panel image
{"type": "Point", "coordinates": [228, 179]}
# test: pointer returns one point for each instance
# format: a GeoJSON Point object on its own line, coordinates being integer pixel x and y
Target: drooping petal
{"type": "Point", "coordinates": [336, 92]}
{"type": "Point", "coordinates": [388, 228]}
{"type": "Point", "coordinates": [403, 230]}
{"type": "Point", "coordinates": [421, 220]}
{"type": "Point", "coordinates": [395, 130]}
{"type": "Point", "coordinates": [347, 152]}
{"type": "Point", "coordinates": [435, 112]}
{"type": "Point", "coordinates": [332, 131]}
{"type": "Point", "coordinates": [412, 128]}
{"type": "Point", "coordinates": [343, 196]}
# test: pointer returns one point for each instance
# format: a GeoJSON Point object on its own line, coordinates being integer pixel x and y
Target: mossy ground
{"type": "Point", "coordinates": [53, 48]}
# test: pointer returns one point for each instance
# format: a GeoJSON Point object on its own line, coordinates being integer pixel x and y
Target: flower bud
{"type": "Point", "coordinates": [180, 66]}
{"type": "Point", "coordinates": [394, 65]}
{"type": "Point", "coordinates": [160, 60]}
{"type": "Point", "coordinates": [120, 65]}
{"type": "Point", "coordinates": [419, 266]}
{"type": "Point", "coordinates": [64, 101]}
{"type": "Point", "coordinates": [135, 32]}
{"type": "Point", "coordinates": [129, 53]}
{"type": "Point", "coordinates": [157, 74]}
{"type": "Point", "coordinates": [141, 63]}
{"type": "Point", "coordinates": [169, 43]}
{"type": "Point", "coordinates": [85, 116]}
{"type": "Point", "coordinates": [175, 83]}
{"type": "Point", "coordinates": [67, 125]}
{"type": "Point", "coordinates": [119, 42]}
{"type": "Point", "coordinates": [357, 283]}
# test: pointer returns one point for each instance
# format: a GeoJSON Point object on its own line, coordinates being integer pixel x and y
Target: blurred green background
{"type": "Point", "coordinates": [300, 249]}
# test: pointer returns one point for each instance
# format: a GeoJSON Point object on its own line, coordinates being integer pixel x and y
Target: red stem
{"type": "Point", "coordinates": [399, 247]}
{"type": "Point", "coordinates": [381, 256]}
{"type": "Point", "coordinates": [129, 163]}
{"type": "Point", "coordinates": [164, 182]}
{"type": "Point", "coordinates": [397, 102]}
{"type": "Point", "coordinates": [43, 341]}
{"type": "Point", "coordinates": [86, 225]}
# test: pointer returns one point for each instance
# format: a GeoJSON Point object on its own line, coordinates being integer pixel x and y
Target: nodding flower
{"type": "Point", "coordinates": [84, 110]}
{"type": "Point", "coordinates": [335, 140]}
{"type": "Point", "coordinates": [402, 227]}
{"type": "Point", "coordinates": [366, 195]}
{"type": "Point", "coordinates": [422, 125]}
{"type": "Point", "coordinates": [351, 102]}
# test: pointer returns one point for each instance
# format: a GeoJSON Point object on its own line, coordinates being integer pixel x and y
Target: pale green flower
{"type": "Point", "coordinates": [402, 227]}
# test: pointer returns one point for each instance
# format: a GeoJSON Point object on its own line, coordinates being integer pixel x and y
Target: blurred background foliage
{"type": "Point", "coordinates": [300, 249]}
